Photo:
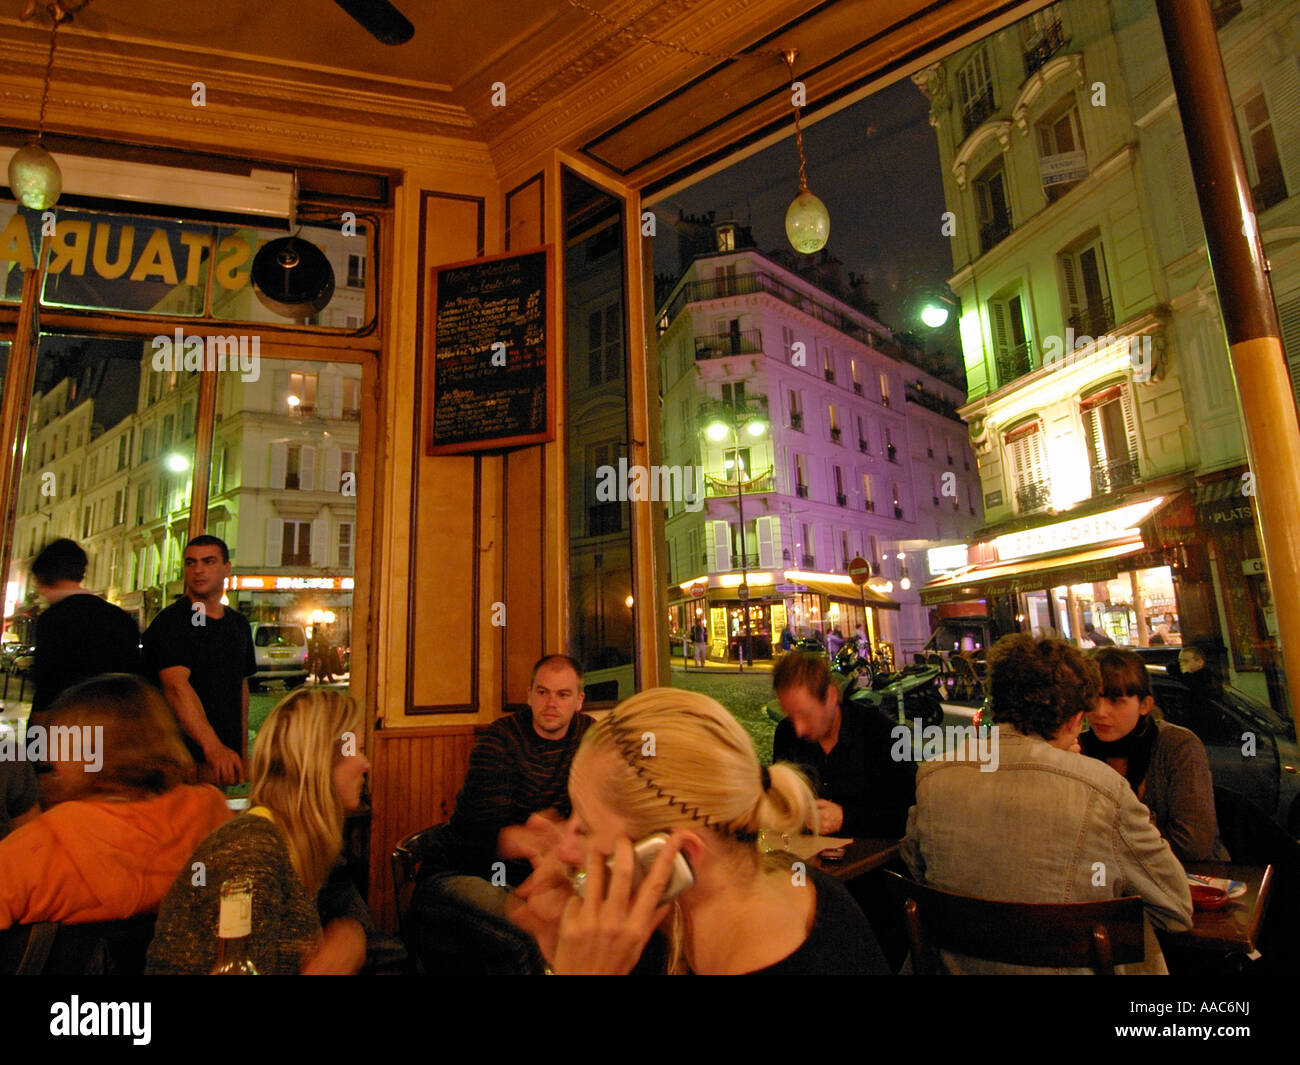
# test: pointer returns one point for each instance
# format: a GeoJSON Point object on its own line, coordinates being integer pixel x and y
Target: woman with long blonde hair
{"type": "Point", "coordinates": [677, 762]}
{"type": "Point", "coordinates": [307, 773]}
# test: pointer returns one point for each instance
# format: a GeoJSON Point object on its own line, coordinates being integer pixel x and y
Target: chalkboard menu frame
{"type": "Point", "coordinates": [442, 377]}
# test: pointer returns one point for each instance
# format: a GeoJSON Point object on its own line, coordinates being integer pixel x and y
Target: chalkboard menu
{"type": "Point", "coordinates": [492, 376]}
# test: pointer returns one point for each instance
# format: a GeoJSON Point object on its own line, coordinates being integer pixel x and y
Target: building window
{"type": "Point", "coordinates": [809, 557]}
{"type": "Point", "coordinates": [168, 430]}
{"type": "Point", "coordinates": [296, 547]}
{"type": "Point", "coordinates": [219, 471]}
{"type": "Point", "coordinates": [605, 345]}
{"type": "Point", "coordinates": [146, 444]}
{"type": "Point", "coordinates": [1268, 182]}
{"type": "Point", "coordinates": [356, 271]}
{"type": "Point", "coordinates": [885, 397]}
{"type": "Point", "coordinates": [1062, 161]}
{"type": "Point", "coordinates": [726, 238]}
{"type": "Point", "coordinates": [828, 370]}
{"type": "Point", "coordinates": [833, 422]}
{"type": "Point", "coordinates": [1111, 432]}
{"type": "Point", "coordinates": [800, 477]}
{"type": "Point", "coordinates": [796, 411]}
{"type": "Point", "coordinates": [868, 496]}
{"type": "Point", "coordinates": [992, 208]}
{"type": "Point", "coordinates": [1010, 344]}
{"type": "Point", "coordinates": [302, 394]}
{"type": "Point", "coordinates": [975, 91]}
{"type": "Point", "coordinates": [863, 444]}
{"type": "Point", "coordinates": [841, 497]}
{"type": "Point", "coordinates": [1041, 36]}
{"type": "Point", "coordinates": [1027, 458]}
{"type": "Point", "coordinates": [345, 545]}
{"type": "Point", "coordinates": [352, 398]}
{"type": "Point", "coordinates": [733, 394]}
{"type": "Point", "coordinates": [1087, 292]}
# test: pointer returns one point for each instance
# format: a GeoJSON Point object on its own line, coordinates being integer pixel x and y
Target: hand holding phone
{"type": "Point", "coordinates": [644, 853]}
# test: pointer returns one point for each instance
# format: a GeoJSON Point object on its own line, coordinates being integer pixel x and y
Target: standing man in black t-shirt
{"type": "Point", "coordinates": [202, 654]}
{"type": "Point", "coordinates": [78, 636]}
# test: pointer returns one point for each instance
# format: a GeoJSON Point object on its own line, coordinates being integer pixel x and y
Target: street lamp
{"type": "Point", "coordinates": [718, 430]}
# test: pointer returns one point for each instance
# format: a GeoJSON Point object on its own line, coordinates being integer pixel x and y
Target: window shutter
{"type": "Point", "coordinates": [766, 549]}
{"type": "Point", "coordinates": [721, 546]}
{"type": "Point", "coordinates": [1288, 312]}
{"type": "Point", "coordinates": [998, 320]}
{"type": "Point", "coordinates": [1282, 90]}
{"type": "Point", "coordinates": [319, 541]}
{"type": "Point", "coordinates": [274, 541]}
{"type": "Point", "coordinates": [279, 464]}
{"type": "Point", "coordinates": [1070, 279]}
{"type": "Point", "coordinates": [1179, 170]}
{"type": "Point", "coordinates": [1130, 422]}
{"type": "Point", "coordinates": [333, 466]}
{"type": "Point", "coordinates": [335, 385]}
{"type": "Point", "coordinates": [1092, 429]}
{"type": "Point", "coordinates": [307, 470]}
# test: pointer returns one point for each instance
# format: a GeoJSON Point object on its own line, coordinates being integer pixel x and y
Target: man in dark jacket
{"type": "Point", "coordinates": [78, 636]}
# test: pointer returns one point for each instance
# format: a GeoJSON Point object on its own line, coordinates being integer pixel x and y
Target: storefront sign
{"type": "Point", "coordinates": [1118, 524]}
{"type": "Point", "coordinates": [1252, 567]}
{"type": "Point", "coordinates": [946, 559]}
{"type": "Point", "coordinates": [272, 583]}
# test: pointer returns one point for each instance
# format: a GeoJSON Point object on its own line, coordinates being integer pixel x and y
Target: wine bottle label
{"type": "Point", "coordinates": [236, 920]}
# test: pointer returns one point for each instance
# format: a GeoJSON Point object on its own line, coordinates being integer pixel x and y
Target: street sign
{"type": "Point", "coordinates": [860, 571]}
{"type": "Point", "coordinates": [698, 589]}
{"type": "Point", "coordinates": [743, 592]}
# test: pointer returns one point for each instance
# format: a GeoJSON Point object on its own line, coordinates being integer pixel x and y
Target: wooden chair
{"type": "Point", "coordinates": [968, 685]}
{"type": "Point", "coordinates": [1097, 935]}
{"type": "Point", "coordinates": [408, 853]}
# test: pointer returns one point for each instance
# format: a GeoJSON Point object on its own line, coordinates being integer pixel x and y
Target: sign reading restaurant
{"type": "Point", "coordinates": [1108, 525]}
{"type": "Point", "coordinates": [275, 583]}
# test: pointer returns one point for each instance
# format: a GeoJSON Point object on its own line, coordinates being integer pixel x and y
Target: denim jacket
{"type": "Point", "coordinates": [1045, 826]}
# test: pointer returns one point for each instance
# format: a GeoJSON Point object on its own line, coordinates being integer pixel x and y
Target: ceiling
{"type": "Point", "coordinates": [643, 87]}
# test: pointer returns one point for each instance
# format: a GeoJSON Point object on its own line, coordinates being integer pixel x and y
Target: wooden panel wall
{"type": "Point", "coordinates": [414, 778]}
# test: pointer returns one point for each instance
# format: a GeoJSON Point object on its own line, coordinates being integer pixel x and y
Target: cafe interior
{"type": "Point", "coordinates": [495, 128]}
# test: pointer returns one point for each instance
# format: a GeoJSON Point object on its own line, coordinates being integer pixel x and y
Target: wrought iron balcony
{"type": "Point", "coordinates": [1051, 42]}
{"type": "Point", "coordinates": [747, 341]}
{"type": "Point", "coordinates": [841, 499]}
{"type": "Point", "coordinates": [995, 230]}
{"type": "Point", "coordinates": [796, 420]}
{"type": "Point", "coordinates": [836, 433]}
{"type": "Point", "coordinates": [1110, 477]}
{"type": "Point", "coordinates": [898, 511]}
{"type": "Point", "coordinates": [1012, 363]}
{"type": "Point", "coordinates": [857, 387]}
{"type": "Point", "coordinates": [801, 490]}
{"type": "Point", "coordinates": [892, 452]}
{"type": "Point", "coordinates": [870, 505]}
{"type": "Point", "coordinates": [1033, 496]}
{"type": "Point", "coordinates": [976, 111]}
{"type": "Point", "coordinates": [830, 376]}
{"type": "Point", "coordinates": [809, 562]}
{"type": "Point", "coordinates": [862, 446]}
{"type": "Point", "coordinates": [721, 487]}
{"type": "Point", "coordinates": [1094, 320]}
{"type": "Point", "coordinates": [749, 560]}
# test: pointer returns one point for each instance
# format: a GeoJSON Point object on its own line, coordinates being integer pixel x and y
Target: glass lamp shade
{"type": "Point", "coordinates": [35, 178]}
{"type": "Point", "coordinates": [807, 223]}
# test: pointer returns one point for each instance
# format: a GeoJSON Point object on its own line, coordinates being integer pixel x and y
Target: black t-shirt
{"type": "Point", "coordinates": [218, 654]}
{"type": "Point", "coordinates": [858, 774]}
{"type": "Point", "coordinates": [840, 943]}
{"type": "Point", "coordinates": [19, 792]}
{"type": "Point", "coordinates": [79, 637]}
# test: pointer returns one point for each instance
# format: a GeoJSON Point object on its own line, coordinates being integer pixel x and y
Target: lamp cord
{"type": "Point", "coordinates": [45, 86]}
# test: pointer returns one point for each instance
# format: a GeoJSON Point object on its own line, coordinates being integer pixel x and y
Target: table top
{"type": "Point", "coordinates": [861, 856]}
{"type": "Point", "coordinates": [1234, 928]}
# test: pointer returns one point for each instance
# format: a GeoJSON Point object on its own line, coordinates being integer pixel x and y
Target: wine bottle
{"type": "Point", "coordinates": [234, 929]}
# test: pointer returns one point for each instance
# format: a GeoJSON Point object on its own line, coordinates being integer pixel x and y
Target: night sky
{"type": "Point", "coordinates": [876, 167]}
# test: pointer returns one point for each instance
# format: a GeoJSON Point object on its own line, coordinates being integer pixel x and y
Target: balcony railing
{"type": "Point", "coordinates": [721, 487]}
{"type": "Point", "coordinates": [1110, 477]}
{"type": "Point", "coordinates": [841, 499]}
{"type": "Point", "coordinates": [836, 433]}
{"type": "Point", "coordinates": [796, 420]}
{"type": "Point", "coordinates": [1033, 496]}
{"type": "Point", "coordinates": [931, 401]}
{"type": "Point", "coordinates": [750, 560]}
{"type": "Point", "coordinates": [898, 511]}
{"type": "Point", "coordinates": [976, 111]}
{"type": "Point", "coordinates": [869, 505]}
{"type": "Point", "coordinates": [862, 446]}
{"type": "Point", "coordinates": [830, 375]}
{"type": "Point", "coordinates": [995, 230]}
{"type": "Point", "coordinates": [892, 452]}
{"type": "Point", "coordinates": [801, 490]}
{"type": "Point", "coordinates": [1051, 42]}
{"type": "Point", "coordinates": [1012, 363]}
{"type": "Point", "coordinates": [1093, 320]}
{"type": "Point", "coordinates": [809, 562]}
{"type": "Point", "coordinates": [745, 284]}
{"type": "Point", "coordinates": [857, 387]}
{"type": "Point", "coordinates": [745, 342]}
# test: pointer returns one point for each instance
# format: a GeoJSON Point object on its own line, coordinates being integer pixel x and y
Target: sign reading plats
{"type": "Point", "coordinates": [492, 376]}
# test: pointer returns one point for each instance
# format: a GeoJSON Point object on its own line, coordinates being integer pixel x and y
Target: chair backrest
{"type": "Point", "coordinates": [104, 948]}
{"type": "Point", "coordinates": [407, 855]}
{"type": "Point", "coordinates": [1096, 935]}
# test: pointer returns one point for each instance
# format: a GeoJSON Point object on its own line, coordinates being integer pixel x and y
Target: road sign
{"type": "Point", "coordinates": [860, 571]}
{"type": "Point", "coordinates": [743, 592]}
{"type": "Point", "coordinates": [698, 589]}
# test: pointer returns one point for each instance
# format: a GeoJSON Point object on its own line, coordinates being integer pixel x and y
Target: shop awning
{"type": "Point", "coordinates": [847, 593]}
{"type": "Point", "coordinates": [1004, 578]}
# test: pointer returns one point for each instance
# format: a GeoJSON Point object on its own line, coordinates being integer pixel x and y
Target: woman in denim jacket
{"type": "Point", "coordinates": [1046, 824]}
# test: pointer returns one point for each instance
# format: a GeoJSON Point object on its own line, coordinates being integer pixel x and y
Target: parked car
{"type": "Point", "coordinates": [281, 654]}
{"type": "Point", "coordinates": [17, 657]}
{"type": "Point", "coordinates": [1251, 748]}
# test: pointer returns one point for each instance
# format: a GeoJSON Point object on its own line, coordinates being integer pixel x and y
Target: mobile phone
{"type": "Point", "coordinates": [832, 854]}
{"type": "Point", "coordinates": [644, 854]}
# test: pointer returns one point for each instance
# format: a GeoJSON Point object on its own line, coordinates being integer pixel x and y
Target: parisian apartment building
{"type": "Point", "coordinates": [861, 453]}
{"type": "Point", "coordinates": [1111, 462]}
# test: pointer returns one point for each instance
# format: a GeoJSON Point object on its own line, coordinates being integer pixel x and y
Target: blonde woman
{"type": "Point", "coordinates": [678, 762]}
{"type": "Point", "coordinates": [307, 772]}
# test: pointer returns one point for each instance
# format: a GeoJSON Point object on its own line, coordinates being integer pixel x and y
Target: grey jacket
{"type": "Point", "coordinates": [1180, 793]}
{"type": "Point", "coordinates": [1045, 826]}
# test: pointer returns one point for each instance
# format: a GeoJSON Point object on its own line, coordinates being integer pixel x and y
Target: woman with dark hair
{"type": "Point", "coordinates": [1037, 822]}
{"type": "Point", "coordinates": [123, 813]}
{"type": "Point", "coordinates": [1164, 764]}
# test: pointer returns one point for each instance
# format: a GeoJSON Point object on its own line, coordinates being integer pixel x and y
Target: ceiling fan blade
{"type": "Point", "coordinates": [381, 19]}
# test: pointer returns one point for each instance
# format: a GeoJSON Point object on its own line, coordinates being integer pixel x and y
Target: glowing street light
{"type": "Point", "coordinates": [177, 463]}
{"type": "Point", "coordinates": [934, 315]}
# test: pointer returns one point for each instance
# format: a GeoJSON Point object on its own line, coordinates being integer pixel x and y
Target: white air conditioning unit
{"type": "Point", "coordinates": [258, 196]}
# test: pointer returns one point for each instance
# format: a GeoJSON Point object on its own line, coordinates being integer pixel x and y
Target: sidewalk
{"type": "Point", "coordinates": [713, 665]}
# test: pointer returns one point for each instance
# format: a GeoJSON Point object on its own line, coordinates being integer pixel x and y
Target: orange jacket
{"type": "Point", "coordinates": [103, 861]}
